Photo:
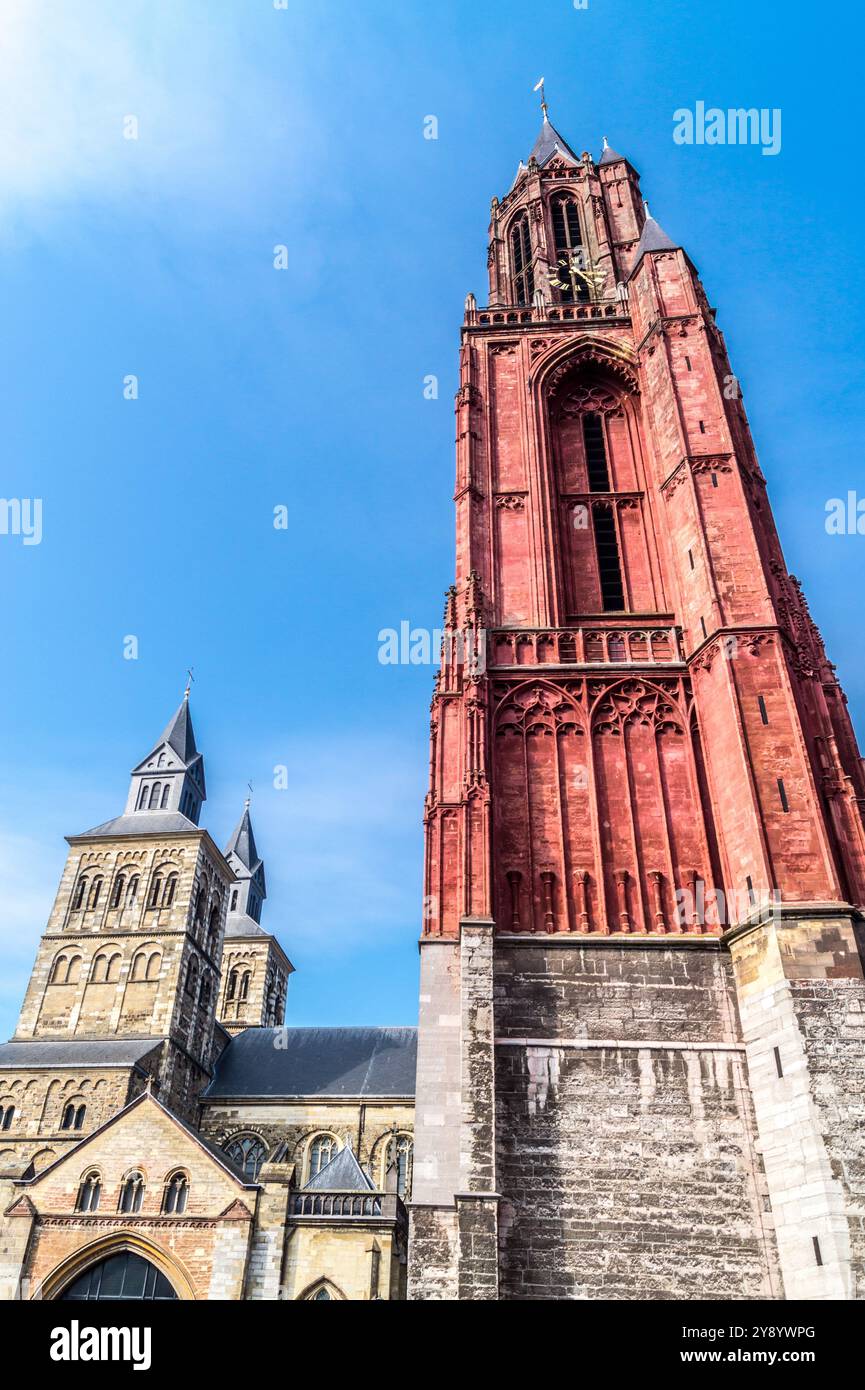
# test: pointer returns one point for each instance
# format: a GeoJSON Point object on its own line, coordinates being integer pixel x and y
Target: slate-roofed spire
{"type": "Point", "coordinates": [171, 777]}
{"type": "Point", "coordinates": [608, 154]}
{"type": "Point", "coordinates": [653, 238]}
{"type": "Point", "coordinates": [251, 889]}
{"type": "Point", "coordinates": [550, 142]}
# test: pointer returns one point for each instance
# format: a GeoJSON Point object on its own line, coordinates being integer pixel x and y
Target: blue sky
{"type": "Point", "coordinates": [304, 388]}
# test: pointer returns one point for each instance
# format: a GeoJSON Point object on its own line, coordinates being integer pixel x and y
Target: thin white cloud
{"type": "Point", "coordinates": [210, 123]}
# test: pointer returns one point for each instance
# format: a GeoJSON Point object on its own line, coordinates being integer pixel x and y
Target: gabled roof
{"type": "Point", "coordinates": [549, 143]}
{"type": "Point", "coordinates": [342, 1174]}
{"type": "Point", "coordinates": [146, 1098]}
{"type": "Point", "coordinates": [653, 238]}
{"type": "Point", "coordinates": [317, 1062]}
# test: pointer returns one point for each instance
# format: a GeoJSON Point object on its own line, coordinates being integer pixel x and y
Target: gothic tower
{"type": "Point", "coordinates": [255, 969]}
{"type": "Point", "coordinates": [126, 978]}
{"type": "Point", "coordinates": [642, 989]}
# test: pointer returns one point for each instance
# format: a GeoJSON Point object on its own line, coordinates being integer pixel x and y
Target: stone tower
{"type": "Point", "coordinates": [255, 969]}
{"type": "Point", "coordinates": [126, 978]}
{"type": "Point", "coordinates": [642, 996]}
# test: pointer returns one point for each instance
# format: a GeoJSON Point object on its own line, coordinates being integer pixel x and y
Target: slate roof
{"type": "Point", "coordinates": [142, 823]}
{"type": "Point", "coordinates": [609, 156]}
{"type": "Point", "coordinates": [653, 238]}
{"type": "Point", "coordinates": [242, 842]}
{"type": "Point", "coordinates": [241, 924]}
{"type": "Point", "coordinates": [317, 1062]}
{"type": "Point", "coordinates": [342, 1174]}
{"type": "Point", "coordinates": [112, 1052]}
{"type": "Point", "coordinates": [550, 142]}
{"type": "Point", "coordinates": [179, 733]}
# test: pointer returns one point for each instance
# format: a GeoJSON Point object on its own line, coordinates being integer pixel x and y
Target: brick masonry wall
{"type": "Point", "coordinates": [626, 1156]}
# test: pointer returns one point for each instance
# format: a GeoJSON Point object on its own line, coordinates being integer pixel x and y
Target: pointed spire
{"type": "Point", "coordinates": [342, 1174]}
{"type": "Point", "coordinates": [242, 842]}
{"type": "Point", "coordinates": [178, 732]}
{"type": "Point", "coordinates": [653, 238]}
{"type": "Point", "coordinates": [608, 154]}
{"type": "Point", "coordinates": [171, 777]}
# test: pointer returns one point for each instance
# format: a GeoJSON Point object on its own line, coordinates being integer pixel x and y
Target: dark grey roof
{"type": "Point", "coordinates": [653, 238]}
{"type": "Point", "coordinates": [142, 823]}
{"type": "Point", "coordinates": [550, 142]}
{"type": "Point", "coordinates": [317, 1062]}
{"type": "Point", "coordinates": [111, 1052]}
{"type": "Point", "coordinates": [609, 156]}
{"type": "Point", "coordinates": [242, 843]}
{"type": "Point", "coordinates": [179, 733]}
{"type": "Point", "coordinates": [241, 924]}
{"type": "Point", "coordinates": [342, 1174]}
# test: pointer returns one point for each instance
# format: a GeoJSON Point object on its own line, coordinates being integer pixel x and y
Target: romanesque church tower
{"type": "Point", "coordinates": [642, 995]}
{"type": "Point", "coordinates": [126, 979]}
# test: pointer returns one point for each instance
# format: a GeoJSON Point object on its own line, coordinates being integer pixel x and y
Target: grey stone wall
{"type": "Point", "coordinates": [626, 1140]}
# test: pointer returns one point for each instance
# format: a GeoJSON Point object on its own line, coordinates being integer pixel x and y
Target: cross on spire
{"type": "Point", "coordinates": [189, 679]}
{"type": "Point", "coordinates": [539, 87]}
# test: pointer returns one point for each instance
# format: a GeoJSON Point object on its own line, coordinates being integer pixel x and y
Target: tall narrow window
{"type": "Point", "coordinates": [400, 1151]}
{"type": "Point", "coordinates": [322, 1149]}
{"type": "Point", "coordinates": [142, 800]}
{"type": "Point", "coordinates": [155, 890]}
{"type": "Point", "coordinates": [80, 893]}
{"type": "Point", "coordinates": [93, 900]}
{"type": "Point", "coordinates": [596, 453]}
{"type": "Point", "coordinates": [165, 793]}
{"type": "Point", "coordinates": [117, 893]}
{"type": "Point", "coordinates": [89, 1192]}
{"type": "Point", "coordinates": [132, 1193]}
{"type": "Point", "coordinates": [569, 251]}
{"type": "Point", "coordinates": [170, 890]}
{"type": "Point", "coordinates": [609, 564]}
{"type": "Point", "coordinates": [522, 274]}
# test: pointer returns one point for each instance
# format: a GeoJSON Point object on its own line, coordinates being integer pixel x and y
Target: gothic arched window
{"type": "Point", "coordinates": [176, 1194]}
{"type": "Point", "coordinates": [89, 1192]}
{"type": "Point", "coordinates": [132, 1193]}
{"type": "Point", "coordinates": [154, 796]}
{"type": "Point", "coordinates": [117, 891]}
{"type": "Point", "coordinates": [248, 1153]}
{"type": "Point", "coordinates": [400, 1150]}
{"type": "Point", "coordinates": [80, 893]}
{"type": "Point", "coordinates": [568, 242]}
{"type": "Point", "coordinates": [522, 273]}
{"type": "Point", "coordinates": [323, 1148]}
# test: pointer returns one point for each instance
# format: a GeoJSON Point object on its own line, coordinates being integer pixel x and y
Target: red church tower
{"type": "Point", "coordinates": [644, 828]}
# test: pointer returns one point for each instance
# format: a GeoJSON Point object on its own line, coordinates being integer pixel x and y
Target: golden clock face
{"type": "Point", "coordinates": [574, 275]}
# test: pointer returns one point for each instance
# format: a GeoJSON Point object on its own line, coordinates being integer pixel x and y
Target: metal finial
{"type": "Point", "coordinates": [646, 208]}
{"type": "Point", "coordinates": [606, 145]}
{"type": "Point", "coordinates": [189, 679]}
{"type": "Point", "coordinates": [539, 87]}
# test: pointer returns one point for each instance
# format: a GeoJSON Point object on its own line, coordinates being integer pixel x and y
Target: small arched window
{"type": "Point", "coordinates": [142, 799]}
{"type": "Point", "coordinates": [192, 976]}
{"type": "Point", "coordinates": [117, 891]}
{"type": "Point", "coordinates": [248, 1153]}
{"type": "Point", "coordinates": [244, 984]}
{"type": "Point", "coordinates": [232, 986]}
{"type": "Point", "coordinates": [155, 890]}
{"type": "Point", "coordinates": [165, 794]}
{"type": "Point", "coordinates": [73, 1115]}
{"type": "Point", "coordinates": [132, 890]}
{"type": "Point", "coordinates": [95, 890]}
{"type": "Point", "coordinates": [80, 894]}
{"type": "Point", "coordinates": [204, 996]}
{"type": "Point", "coordinates": [154, 965]}
{"type": "Point", "coordinates": [213, 929]}
{"type": "Point", "coordinates": [58, 971]}
{"type": "Point", "coordinates": [522, 272]}
{"type": "Point", "coordinates": [7, 1115]}
{"type": "Point", "coordinates": [176, 1194]}
{"type": "Point", "coordinates": [154, 796]}
{"type": "Point", "coordinates": [323, 1148]}
{"type": "Point", "coordinates": [234, 900]}
{"type": "Point", "coordinates": [169, 890]}
{"type": "Point", "coordinates": [132, 1193]}
{"type": "Point", "coordinates": [89, 1192]}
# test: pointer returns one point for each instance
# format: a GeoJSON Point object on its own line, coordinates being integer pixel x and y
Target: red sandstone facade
{"type": "Point", "coordinates": [642, 1002]}
{"type": "Point", "coordinates": [657, 714]}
